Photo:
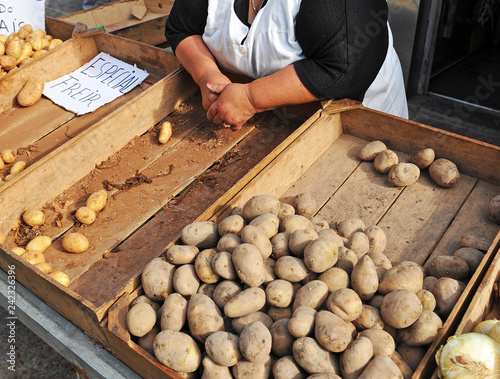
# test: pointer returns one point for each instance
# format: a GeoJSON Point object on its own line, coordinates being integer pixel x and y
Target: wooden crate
{"type": "Point", "coordinates": [421, 221]}
{"type": "Point", "coordinates": [117, 19]}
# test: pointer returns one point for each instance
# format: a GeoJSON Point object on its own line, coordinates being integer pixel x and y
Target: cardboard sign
{"type": "Point", "coordinates": [16, 13]}
{"type": "Point", "coordinates": [96, 83]}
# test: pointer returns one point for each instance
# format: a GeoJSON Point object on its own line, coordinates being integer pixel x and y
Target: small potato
{"type": "Point", "coordinates": [18, 250]}
{"type": "Point", "coordinates": [206, 289]}
{"type": "Point", "coordinates": [249, 264]}
{"type": "Point", "coordinates": [356, 357]}
{"type": "Point", "coordinates": [401, 308]}
{"type": "Point", "coordinates": [423, 331]}
{"type": "Point", "coordinates": [381, 367]}
{"type": "Point", "coordinates": [75, 243]}
{"type": "Point", "coordinates": [347, 259]}
{"type": "Point", "coordinates": [174, 312]}
{"type": "Point", "coordinates": [8, 155]}
{"type": "Point", "coordinates": [364, 278]}
{"type": "Point", "coordinates": [448, 266]}
{"type": "Point", "coordinates": [203, 266]}
{"type": "Point", "coordinates": [494, 209]}
{"type": "Point", "coordinates": [38, 53]}
{"type": "Point", "coordinates": [267, 223]}
{"type": "Point", "coordinates": [239, 323]}
{"type": "Point", "coordinates": [427, 299]}
{"type": "Point", "coordinates": [177, 350]}
{"type": "Point", "coordinates": [279, 293]}
{"type": "Point", "coordinates": [85, 215]}
{"type": "Point", "coordinates": [305, 204]}
{"type": "Point", "coordinates": [255, 342]}
{"type": "Point", "coordinates": [290, 268]}
{"type": "Point", "coordinates": [44, 267]}
{"type": "Point", "coordinates": [222, 264]}
{"type": "Point", "coordinates": [444, 172]}
{"type": "Point", "coordinates": [231, 224]}
{"type": "Point", "coordinates": [474, 240]}
{"type": "Point", "coordinates": [313, 294]}
{"type": "Point", "coordinates": [39, 243]}
{"type": "Point", "coordinates": [313, 358]}
{"type": "Point", "coordinates": [157, 279]}
{"type": "Point", "coordinates": [472, 256]}
{"type": "Point", "coordinates": [447, 291]}
{"type": "Point", "coordinates": [97, 200]}
{"type": "Point", "coordinates": [291, 223]}
{"type": "Point", "coordinates": [13, 48]}
{"type": "Point", "coordinates": [26, 51]}
{"type": "Point", "coordinates": [280, 245]}
{"type": "Point", "coordinates": [429, 282]}
{"type": "Point", "coordinates": [61, 277]}
{"type": "Point", "coordinates": [335, 278]}
{"type": "Point", "coordinates": [247, 301]}
{"type": "Point", "coordinates": [382, 264]}
{"type": "Point", "coordinates": [224, 291]}
{"type": "Point", "coordinates": [385, 160]}
{"type": "Point", "coordinates": [34, 257]}
{"type": "Point", "coordinates": [287, 368]}
{"type": "Point", "coordinates": [17, 167]}
{"type": "Point", "coordinates": [371, 150]}
{"type": "Point", "coordinates": [148, 340]}
{"type": "Point", "coordinates": [404, 174]}
{"type": "Point", "coordinates": [345, 303]}
{"type": "Point", "coordinates": [256, 370]}
{"type": "Point", "coordinates": [282, 339]}
{"type": "Point", "coordinates": [204, 317]}
{"type": "Point", "coordinates": [202, 234]}
{"type": "Point", "coordinates": [223, 348]}
{"type": "Point", "coordinates": [299, 239]}
{"type": "Point", "coordinates": [24, 31]}
{"type": "Point", "coordinates": [181, 254]}
{"type": "Point", "coordinates": [377, 239]}
{"type": "Point", "coordinates": [412, 355]}
{"type": "Point", "coordinates": [37, 42]}
{"type": "Point", "coordinates": [349, 226]}
{"type": "Point", "coordinates": [254, 235]}
{"type": "Point", "coordinates": [258, 205]}
{"type": "Point", "coordinates": [301, 323]}
{"type": "Point", "coordinates": [359, 243]}
{"type": "Point", "coordinates": [332, 332]}
{"type": "Point", "coordinates": [320, 255]}
{"type": "Point", "coordinates": [277, 313]}
{"type": "Point", "coordinates": [319, 223]}
{"type": "Point", "coordinates": [145, 299]}
{"type": "Point", "coordinates": [8, 62]}
{"type": "Point", "coordinates": [402, 276]}
{"type": "Point", "coordinates": [228, 242]}
{"type": "Point", "coordinates": [423, 158]}
{"type": "Point", "coordinates": [285, 210]}
{"type": "Point", "coordinates": [383, 343]}
{"type": "Point", "coordinates": [185, 280]}
{"type": "Point", "coordinates": [30, 93]}
{"type": "Point", "coordinates": [165, 130]}
{"type": "Point", "coordinates": [140, 319]}
{"type": "Point", "coordinates": [369, 318]}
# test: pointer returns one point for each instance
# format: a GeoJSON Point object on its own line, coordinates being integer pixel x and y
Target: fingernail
{"type": "Point", "coordinates": [209, 84]}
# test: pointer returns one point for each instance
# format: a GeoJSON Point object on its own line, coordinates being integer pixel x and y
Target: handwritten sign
{"type": "Point", "coordinates": [16, 13]}
{"type": "Point", "coordinates": [96, 83]}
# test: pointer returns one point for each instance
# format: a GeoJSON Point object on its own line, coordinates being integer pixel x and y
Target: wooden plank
{"type": "Point", "coordinates": [59, 28]}
{"type": "Point", "coordinates": [160, 6]}
{"type": "Point", "coordinates": [113, 12]}
{"type": "Point", "coordinates": [473, 158]}
{"type": "Point", "coordinates": [150, 30]}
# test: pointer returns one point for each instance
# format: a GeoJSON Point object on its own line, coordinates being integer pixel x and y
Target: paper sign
{"type": "Point", "coordinates": [96, 83]}
{"type": "Point", "coordinates": [16, 13]}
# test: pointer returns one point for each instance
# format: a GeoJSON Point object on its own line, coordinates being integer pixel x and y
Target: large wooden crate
{"type": "Point", "coordinates": [421, 221]}
{"type": "Point", "coordinates": [117, 19]}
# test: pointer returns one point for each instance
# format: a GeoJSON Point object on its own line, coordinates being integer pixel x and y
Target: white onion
{"type": "Point", "coordinates": [484, 326]}
{"type": "Point", "coordinates": [469, 355]}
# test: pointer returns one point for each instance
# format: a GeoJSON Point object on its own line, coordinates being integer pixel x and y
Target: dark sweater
{"type": "Point", "coordinates": [345, 41]}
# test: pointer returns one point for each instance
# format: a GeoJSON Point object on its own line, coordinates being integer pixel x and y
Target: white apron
{"type": "Point", "coordinates": [270, 45]}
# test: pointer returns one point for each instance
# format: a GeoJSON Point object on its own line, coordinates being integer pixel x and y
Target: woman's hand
{"type": "Point", "coordinates": [205, 83]}
{"type": "Point", "coordinates": [234, 105]}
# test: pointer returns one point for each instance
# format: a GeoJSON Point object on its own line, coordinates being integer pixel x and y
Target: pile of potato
{"type": "Point", "coordinates": [271, 291]}
{"type": "Point", "coordinates": [442, 171]}
{"type": "Point", "coordinates": [8, 157]}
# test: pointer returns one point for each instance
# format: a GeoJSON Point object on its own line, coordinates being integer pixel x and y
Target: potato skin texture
{"type": "Point", "coordinates": [404, 174]}
{"type": "Point", "coordinates": [355, 357]}
{"type": "Point", "coordinates": [494, 209]}
{"type": "Point", "coordinates": [247, 301]}
{"type": "Point", "coordinates": [157, 279]}
{"type": "Point", "coordinates": [385, 160]}
{"type": "Point", "coordinates": [332, 332]}
{"type": "Point", "coordinates": [140, 319]}
{"type": "Point", "coordinates": [313, 358]}
{"type": "Point", "coordinates": [258, 205]}
{"type": "Point", "coordinates": [177, 350]}
{"type": "Point", "coordinates": [33, 217]}
{"type": "Point", "coordinates": [364, 278]}
{"type": "Point", "coordinates": [255, 342]}
{"type": "Point", "coordinates": [204, 317]}
{"type": "Point", "coordinates": [75, 243]}
{"type": "Point", "coordinates": [371, 150]}
{"type": "Point", "coordinates": [30, 93]}
{"type": "Point", "coordinates": [401, 308]}
{"type": "Point", "coordinates": [97, 200]}
{"type": "Point", "coordinates": [448, 266]}
{"type": "Point", "coordinates": [423, 158]}
{"type": "Point", "coordinates": [423, 331]}
{"type": "Point", "coordinates": [444, 172]}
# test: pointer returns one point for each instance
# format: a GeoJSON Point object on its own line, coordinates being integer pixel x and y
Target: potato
{"type": "Point", "coordinates": [204, 317]}
{"type": "Point", "coordinates": [493, 209]}
{"type": "Point", "coordinates": [249, 264]}
{"type": "Point", "coordinates": [377, 240]}
{"type": "Point", "coordinates": [359, 243]}
{"type": "Point", "coordinates": [25, 61]}
{"type": "Point", "coordinates": [429, 282]}
{"type": "Point", "coordinates": [97, 200]}
{"type": "Point", "coordinates": [44, 267]}
{"type": "Point", "coordinates": [319, 223]}
{"type": "Point", "coordinates": [299, 239]}
{"type": "Point", "coordinates": [324, 375]}
{"type": "Point", "coordinates": [291, 223]}
{"type": "Point", "coordinates": [203, 266]}
{"type": "Point", "coordinates": [61, 277]}
{"type": "Point", "coordinates": [332, 332]}
{"type": "Point", "coordinates": [320, 255]}
{"type": "Point", "coordinates": [332, 235]}
{"type": "Point", "coordinates": [8, 62]}
{"type": "Point", "coordinates": [24, 31]}
{"type": "Point", "coordinates": [251, 234]}
{"type": "Point", "coordinates": [39, 243]}
{"type": "Point", "coordinates": [257, 370]}
{"type": "Point", "coordinates": [364, 279]}
{"type": "Point", "coordinates": [404, 174]}
{"type": "Point", "coordinates": [34, 257]}
{"type": "Point", "coordinates": [277, 313]}
{"type": "Point", "coordinates": [301, 323]}
{"type": "Point", "coordinates": [356, 357]}
{"type": "Point", "coordinates": [30, 93]}
{"type": "Point", "coordinates": [231, 224]}
{"type": "Point", "coordinates": [385, 160]}
{"type": "Point", "coordinates": [181, 254]}
{"type": "Point", "coordinates": [381, 262]}
{"type": "Point", "coordinates": [402, 277]}
{"type": "Point", "coordinates": [345, 303]}
{"type": "Point", "coordinates": [313, 294]}
{"type": "Point", "coordinates": [448, 266]}
{"type": "Point", "coordinates": [38, 53]}
{"type": "Point", "coordinates": [17, 167]}
{"type": "Point", "coordinates": [427, 299]}
{"type": "Point", "coordinates": [228, 242]}
{"type": "Point", "coordinates": [17, 250]}
{"type": "Point", "coordinates": [177, 350]}
{"type": "Point", "coordinates": [447, 291]}
{"type": "Point", "coordinates": [401, 308]}
{"type": "Point", "coordinates": [8, 155]}
{"type": "Point", "coordinates": [174, 312]}
{"type": "Point", "coordinates": [224, 291]}
{"type": "Point", "coordinates": [75, 243]}
{"type": "Point", "coordinates": [381, 367]}
{"type": "Point", "coordinates": [165, 129]}
{"type": "Point", "coordinates": [206, 289]}
{"type": "Point", "coordinates": [245, 302]}
{"type": "Point", "coordinates": [239, 323]}
{"type": "Point", "coordinates": [423, 158]}
{"type": "Point", "coordinates": [37, 42]}
{"type": "Point", "coordinates": [472, 256]}
{"type": "Point", "coordinates": [147, 341]}
{"type": "Point", "coordinates": [185, 280]}
{"type": "Point", "coordinates": [335, 278]}
{"type": "Point", "coordinates": [382, 342]}
{"type": "Point", "coordinates": [279, 293]}
{"type": "Point", "coordinates": [412, 355]}
{"type": "Point", "coordinates": [202, 234]}
{"type": "Point", "coordinates": [282, 340]}
{"type": "Point", "coordinates": [13, 48]}
{"type": "Point", "coordinates": [280, 245]}
{"type": "Point", "coordinates": [286, 368]}
{"type": "Point", "coordinates": [305, 204]}
{"type": "Point", "coordinates": [349, 226]}
{"type": "Point", "coordinates": [444, 172]}
{"type": "Point", "coordinates": [144, 299]}
{"type": "Point", "coordinates": [285, 209]}
{"type": "Point", "coordinates": [255, 342]}
{"type": "Point", "coordinates": [267, 223]}
{"type": "Point", "coordinates": [347, 259]}
{"type": "Point", "coordinates": [223, 347]}
{"type": "Point", "coordinates": [370, 317]}
{"type": "Point", "coordinates": [404, 367]}
{"type": "Point", "coordinates": [313, 358]}
{"type": "Point", "coordinates": [85, 215]}
{"type": "Point", "coordinates": [475, 241]}
{"type": "Point", "coordinates": [33, 217]}
{"type": "Point", "coordinates": [140, 319]}
{"type": "Point", "coordinates": [290, 268]}
{"type": "Point", "coordinates": [258, 205]}
{"type": "Point", "coordinates": [371, 150]}
{"type": "Point", "coordinates": [222, 265]}
{"type": "Point", "coordinates": [26, 51]}
{"type": "Point", "coordinates": [423, 331]}
{"type": "Point", "coordinates": [269, 275]}
{"type": "Point", "coordinates": [157, 279]}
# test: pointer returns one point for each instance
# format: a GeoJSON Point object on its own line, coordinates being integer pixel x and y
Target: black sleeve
{"type": "Point", "coordinates": [345, 42]}
{"type": "Point", "coordinates": [186, 18]}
